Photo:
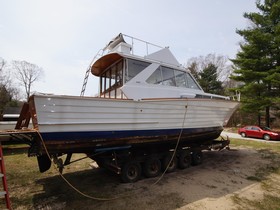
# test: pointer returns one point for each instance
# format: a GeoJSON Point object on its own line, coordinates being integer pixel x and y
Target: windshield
{"type": "Point", "coordinates": [134, 68]}
{"type": "Point", "coordinates": [172, 77]}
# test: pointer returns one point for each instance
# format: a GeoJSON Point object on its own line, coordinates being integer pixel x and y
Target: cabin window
{"type": "Point", "coordinates": [134, 67]}
{"type": "Point", "coordinates": [171, 77]}
{"type": "Point", "coordinates": [107, 80]}
{"type": "Point", "coordinates": [156, 77]}
{"type": "Point", "coordinates": [168, 77]}
{"type": "Point", "coordinates": [113, 76]}
{"type": "Point", "coordinates": [180, 78]}
{"type": "Point", "coordinates": [110, 81]}
{"type": "Point", "coordinates": [119, 74]}
{"type": "Point", "coordinates": [191, 83]}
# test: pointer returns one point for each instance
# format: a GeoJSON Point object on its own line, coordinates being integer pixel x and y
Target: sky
{"type": "Point", "coordinates": [63, 36]}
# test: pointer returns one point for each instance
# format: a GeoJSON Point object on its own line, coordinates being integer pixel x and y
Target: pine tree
{"type": "Point", "coordinates": [208, 80]}
{"type": "Point", "coordinates": [257, 64]}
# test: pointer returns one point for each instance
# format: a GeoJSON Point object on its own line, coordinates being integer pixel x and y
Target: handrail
{"type": "Point", "coordinates": [98, 55]}
{"type": "Point", "coordinates": [140, 40]}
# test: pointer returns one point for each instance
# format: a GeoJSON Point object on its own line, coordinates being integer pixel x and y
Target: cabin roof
{"type": "Point", "coordinates": [164, 56]}
{"type": "Point", "coordinates": [104, 62]}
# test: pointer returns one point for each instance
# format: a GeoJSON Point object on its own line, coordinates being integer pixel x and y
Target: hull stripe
{"type": "Point", "coordinates": [109, 135]}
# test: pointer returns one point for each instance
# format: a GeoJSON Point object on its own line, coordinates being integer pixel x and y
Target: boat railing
{"type": "Point", "coordinates": [141, 47]}
{"type": "Point", "coordinates": [95, 58]}
{"type": "Point", "coordinates": [137, 46]}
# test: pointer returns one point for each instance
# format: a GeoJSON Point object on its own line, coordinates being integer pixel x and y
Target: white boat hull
{"type": "Point", "coordinates": [102, 122]}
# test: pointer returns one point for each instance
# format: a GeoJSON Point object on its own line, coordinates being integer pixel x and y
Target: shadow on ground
{"type": "Point", "coordinates": [220, 174]}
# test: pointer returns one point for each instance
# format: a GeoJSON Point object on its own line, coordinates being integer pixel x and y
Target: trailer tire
{"type": "Point", "coordinates": [196, 157]}
{"type": "Point", "coordinates": [173, 164]}
{"type": "Point", "coordinates": [152, 167]}
{"type": "Point", "coordinates": [184, 159]}
{"type": "Point", "coordinates": [131, 172]}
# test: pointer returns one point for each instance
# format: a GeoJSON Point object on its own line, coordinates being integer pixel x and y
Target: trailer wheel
{"type": "Point", "coordinates": [131, 171]}
{"type": "Point", "coordinates": [152, 167]}
{"type": "Point", "coordinates": [196, 157]}
{"type": "Point", "coordinates": [173, 164]}
{"type": "Point", "coordinates": [184, 159]}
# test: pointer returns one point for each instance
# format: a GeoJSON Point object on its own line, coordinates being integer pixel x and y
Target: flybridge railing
{"type": "Point", "coordinates": [146, 48]}
{"type": "Point", "coordinates": [142, 47]}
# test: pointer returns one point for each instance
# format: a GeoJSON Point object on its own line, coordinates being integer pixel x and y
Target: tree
{"type": "Point", "coordinates": [197, 64]}
{"type": "Point", "coordinates": [210, 71]}
{"type": "Point", "coordinates": [8, 93]}
{"type": "Point", "coordinates": [257, 64]}
{"type": "Point", "coordinates": [208, 80]}
{"type": "Point", "coordinates": [193, 67]}
{"type": "Point", "coordinates": [4, 94]}
{"type": "Point", "coordinates": [2, 66]}
{"type": "Point", "coordinates": [27, 74]}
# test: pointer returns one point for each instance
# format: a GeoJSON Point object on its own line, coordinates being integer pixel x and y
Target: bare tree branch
{"type": "Point", "coordinates": [224, 69]}
{"type": "Point", "coordinates": [27, 74]}
{"type": "Point", "coordinates": [2, 64]}
{"type": "Point", "coordinates": [8, 93]}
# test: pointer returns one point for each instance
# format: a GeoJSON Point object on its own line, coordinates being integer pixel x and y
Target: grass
{"type": "Point", "coordinates": [30, 189]}
{"type": "Point", "coordinates": [256, 144]}
{"type": "Point", "coordinates": [271, 199]}
{"type": "Point", "coordinates": [268, 202]}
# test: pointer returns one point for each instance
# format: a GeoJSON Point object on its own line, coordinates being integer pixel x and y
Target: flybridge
{"type": "Point", "coordinates": [130, 45]}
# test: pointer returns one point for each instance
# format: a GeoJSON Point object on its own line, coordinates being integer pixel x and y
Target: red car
{"type": "Point", "coordinates": [259, 132]}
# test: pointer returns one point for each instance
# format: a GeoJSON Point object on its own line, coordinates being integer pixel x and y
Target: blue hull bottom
{"type": "Point", "coordinates": [71, 142]}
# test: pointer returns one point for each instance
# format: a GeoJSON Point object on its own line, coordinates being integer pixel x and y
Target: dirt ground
{"type": "Point", "coordinates": [223, 177]}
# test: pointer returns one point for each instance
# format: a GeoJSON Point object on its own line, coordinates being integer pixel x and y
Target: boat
{"type": "Point", "coordinates": [150, 99]}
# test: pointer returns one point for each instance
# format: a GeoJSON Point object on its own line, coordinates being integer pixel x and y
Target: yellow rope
{"type": "Point", "coordinates": [175, 150]}
{"type": "Point", "coordinates": [73, 187]}
{"type": "Point", "coordinates": [124, 195]}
